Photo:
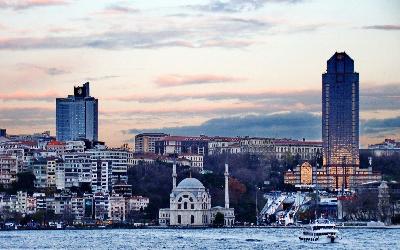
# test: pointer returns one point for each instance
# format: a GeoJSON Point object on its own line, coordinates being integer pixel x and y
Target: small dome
{"type": "Point", "coordinates": [190, 183]}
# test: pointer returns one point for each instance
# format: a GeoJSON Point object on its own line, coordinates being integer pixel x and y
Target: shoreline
{"type": "Point", "coordinates": [191, 228]}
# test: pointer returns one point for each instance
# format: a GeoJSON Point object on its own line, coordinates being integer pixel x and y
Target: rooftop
{"type": "Point", "coordinates": [190, 183]}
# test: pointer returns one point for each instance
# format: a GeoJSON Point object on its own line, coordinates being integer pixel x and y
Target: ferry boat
{"type": "Point", "coordinates": [321, 231]}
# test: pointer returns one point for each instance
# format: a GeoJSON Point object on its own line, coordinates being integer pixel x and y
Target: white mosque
{"type": "Point", "coordinates": [190, 204]}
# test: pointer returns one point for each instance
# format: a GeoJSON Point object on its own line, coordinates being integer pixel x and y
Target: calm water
{"type": "Point", "coordinates": [238, 238]}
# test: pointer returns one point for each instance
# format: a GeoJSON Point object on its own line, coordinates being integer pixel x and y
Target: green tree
{"type": "Point", "coordinates": [39, 216]}
{"type": "Point", "coordinates": [25, 182]}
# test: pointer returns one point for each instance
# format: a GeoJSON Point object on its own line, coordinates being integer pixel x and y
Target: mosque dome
{"type": "Point", "coordinates": [190, 183]}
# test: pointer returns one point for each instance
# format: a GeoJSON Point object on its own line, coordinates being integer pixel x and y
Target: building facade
{"type": "Point", "coordinates": [340, 112]}
{"type": "Point", "coordinates": [386, 148]}
{"type": "Point", "coordinates": [190, 204]}
{"type": "Point", "coordinates": [182, 145]}
{"type": "Point", "coordinates": [77, 116]}
{"type": "Point", "coordinates": [307, 150]}
{"type": "Point", "coordinates": [145, 142]}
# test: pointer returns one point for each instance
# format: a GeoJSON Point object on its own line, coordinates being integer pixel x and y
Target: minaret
{"type": "Point", "coordinates": [226, 186]}
{"type": "Point", "coordinates": [174, 175]}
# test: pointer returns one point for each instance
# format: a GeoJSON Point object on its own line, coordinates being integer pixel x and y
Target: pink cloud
{"type": "Point", "coordinates": [26, 4]}
{"type": "Point", "coordinates": [117, 10]}
{"type": "Point", "coordinates": [27, 96]}
{"type": "Point", "coordinates": [198, 109]}
{"type": "Point", "coordinates": [218, 95]}
{"type": "Point", "coordinates": [178, 80]}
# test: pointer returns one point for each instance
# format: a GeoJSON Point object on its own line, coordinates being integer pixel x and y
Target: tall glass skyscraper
{"type": "Point", "coordinates": [340, 112]}
{"type": "Point", "coordinates": [77, 116]}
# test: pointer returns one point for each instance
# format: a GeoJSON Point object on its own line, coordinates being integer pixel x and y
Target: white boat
{"type": "Point", "coordinates": [321, 231]}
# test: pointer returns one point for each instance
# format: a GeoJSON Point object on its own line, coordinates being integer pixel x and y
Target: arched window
{"type": "Point", "coordinates": [192, 219]}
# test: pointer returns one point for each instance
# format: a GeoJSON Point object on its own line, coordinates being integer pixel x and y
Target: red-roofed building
{"type": "Point", "coordinates": [56, 146]}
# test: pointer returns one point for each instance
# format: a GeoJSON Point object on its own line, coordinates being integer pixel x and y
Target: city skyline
{"type": "Point", "coordinates": [153, 65]}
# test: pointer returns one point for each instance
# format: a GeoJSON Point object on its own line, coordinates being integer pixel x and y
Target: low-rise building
{"type": "Point", "coordinates": [257, 145]}
{"type": "Point", "coordinates": [326, 177]}
{"type": "Point", "coordinates": [194, 161]}
{"type": "Point", "coordinates": [137, 203]}
{"type": "Point", "coordinates": [117, 208]}
{"type": "Point", "coordinates": [224, 145]}
{"type": "Point", "coordinates": [386, 148]}
{"type": "Point", "coordinates": [307, 150]}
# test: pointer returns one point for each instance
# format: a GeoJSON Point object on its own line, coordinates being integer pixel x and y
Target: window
{"type": "Point", "coordinates": [192, 206]}
{"type": "Point", "coordinates": [185, 205]}
{"type": "Point", "coordinates": [179, 206]}
{"type": "Point", "coordinates": [179, 219]}
{"type": "Point", "coordinates": [192, 219]}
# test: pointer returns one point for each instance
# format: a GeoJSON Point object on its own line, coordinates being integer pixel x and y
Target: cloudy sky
{"type": "Point", "coordinates": [229, 67]}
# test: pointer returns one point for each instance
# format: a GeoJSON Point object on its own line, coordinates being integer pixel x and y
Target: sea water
{"type": "Point", "coordinates": [229, 238]}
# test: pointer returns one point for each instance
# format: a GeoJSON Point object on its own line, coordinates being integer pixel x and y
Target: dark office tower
{"type": "Point", "coordinates": [340, 112]}
{"type": "Point", "coordinates": [77, 116]}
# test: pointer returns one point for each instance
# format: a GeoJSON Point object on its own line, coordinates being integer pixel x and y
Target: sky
{"type": "Point", "coordinates": [226, 67]}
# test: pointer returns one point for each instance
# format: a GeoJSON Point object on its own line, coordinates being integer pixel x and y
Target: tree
{"type": "Point", "coordinates": [218, 220]}
{"type": "Point", "coordinates": [39, 217]}
{"type": "Point", "coordinates": [25, 182]}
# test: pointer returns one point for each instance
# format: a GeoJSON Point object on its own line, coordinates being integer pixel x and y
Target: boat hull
{"type": "Point", "coordinates": [320, 239]}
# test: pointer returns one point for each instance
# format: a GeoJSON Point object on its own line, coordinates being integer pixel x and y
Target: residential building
{"type": "Point", "coordinates": [21, 204]}
{"type": "Point", "coordinates": [145, 142]}
{"type": "Point", "coordinates": [182, 144]}
{"type": "Point", "coordinates": [56, 146]}
{"type": "Point", "coordinates": [195, 161]}
{"type": "Point", "coordinates": [7, 203]}
{"type": "Point", "coordinates": [75, 146]}
{"type": "Point", "coordinates": [224, 145]}
{"type": "Point", "coordinates": [307, 150]}
{"type": "Point", "coordinates": [101, 176]}
{"type": "Point", "coordinates": [137, 203]}
{"type": "Point", "coordinates": [386, 148]}
{"type": "Point", "coordinates": [8, 169]}
{"type": "Point", "coordinates": [257, 145]}
{"type": "Point", "coordinates": [114, 159]}
{"type": "Point", "coordinates": [117, 209]}
{"type": "Point", "coordinates": [77, 116]}
{"type": "Point", "coordinates": [77, 169]}
{"type": "Point", "coordinates": [101, 206]}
